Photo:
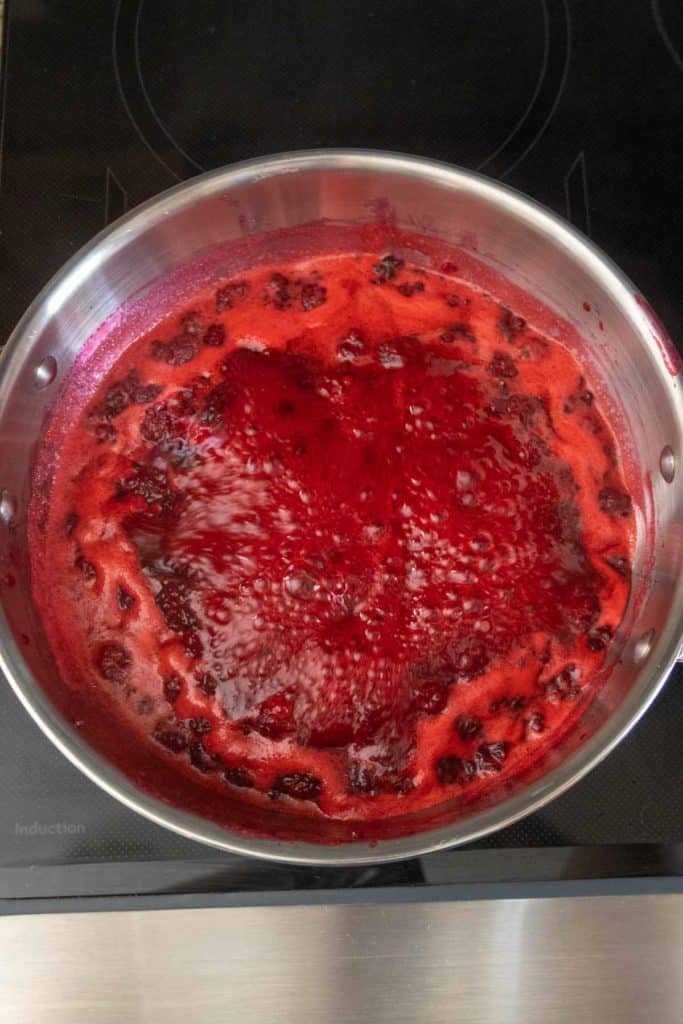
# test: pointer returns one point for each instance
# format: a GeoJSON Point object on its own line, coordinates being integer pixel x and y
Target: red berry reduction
{"type": "Point", "coordinates": [342, 533]}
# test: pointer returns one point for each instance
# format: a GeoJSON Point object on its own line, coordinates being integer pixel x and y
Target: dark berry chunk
{"type": "Point", "coordinates": [386, 269]}
{"type": "Point", "coordinates": [214, 336]}
{"type": "Point", "coordinates": [201, 759]}
{"type": "Point", "coordinates": [362, 779]}
{"type": "Point", "coordinates": [299, 785]}
{"type": "Point", "coordinates": [452, 769]}
{"type": "Point", "coordinates": [352, 346]}
{"type": "Point", "coordinates": [192, 644]}
{"type": "Point", "coordinates": [114, 662]}
{"type": "Point", "coordinates": [278, 291]}
{"type": "Point", "coordinates": [620, 565]}
{"type": "Point", "coordinates": [207, 683]}
{"type": "Point", "coordinates": [509, 324]}
{"type": "Point", "coordinates": [149, 483]}
{"type": "Point", "coordinates": [124, 600]}
{"type": "Point", "coordinates": [85, 567]}
{"type": "Point", "coordinates": [409, 288]}
{"type": "Point", "coordinates": [173, 605]}
{"type": "Point", "coordinates": [105, 433]}
{"type": "Point", "coordinates": [177, 352]}
{"type": "Point", "coordinates": [274, 716]}
{"type": "Point", "coordinates": [614, 502]}
{"type": "Point", "coordinates": [490, 757]}
{"type": "Point", "coordinates": [116, 400]}
{"type": "Point", "coordinates": [429, 697]}
{"type": "Point", "coordinates": [71, 523]}
{"type": "Point", "coordinates": [238, 777]}
{"type": "Point", "coordinates": [563, 686]}
{"type": "Point", "coordinates": [535, 723]}
{"type": "Point", "coordinates": [122, 393]}
{"type": "Point", "coordinates": [599, 638]}
{"type": "Point", "coordinates": [228, 295]}
{"type": "Point", "coordinates": [146, 393]}
{"type": "Point", "coordinates": [145, 706]}
{"type": "Point", "coordinates": [449, 267]}
{"type": "Point", "coordinates": [172, 687]}
{"type": "Point", "coordinates": [159, 423]}
{"type": "Point", "coordinates": [312, 296]}
{"type": "Point", "coordinates": [502, 365]}
{"type": "Point", "coordinates": [170, 734]}
{"type": "Point", "coordinates": [402, 784]}
{"type": "Point", "coordinates": [191, 323]}
{"type": "Point", "coordinates": [455, 300]}
{"type": "Point", "coordinates": [199, 725]}
{"type": "Point", "coordinates": [468, 726]}
{"type": "Point", "coordinates": [458, 332]}
{"type": "Point", "coordinates": [524, 408]}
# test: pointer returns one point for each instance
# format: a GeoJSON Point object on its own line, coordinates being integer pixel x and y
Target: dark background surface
{"type": "Point", "coordinates": [578, 103]}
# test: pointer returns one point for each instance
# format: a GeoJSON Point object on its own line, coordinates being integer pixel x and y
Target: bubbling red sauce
{"type": "Point", "coordinates": [342, 533]}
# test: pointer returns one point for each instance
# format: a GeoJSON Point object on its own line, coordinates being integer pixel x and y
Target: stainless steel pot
{"type": "Point", "coordinates": [624, 342]}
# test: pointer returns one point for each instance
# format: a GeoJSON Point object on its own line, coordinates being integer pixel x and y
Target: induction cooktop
{"type": "Point", "coordinates": [577, 103]}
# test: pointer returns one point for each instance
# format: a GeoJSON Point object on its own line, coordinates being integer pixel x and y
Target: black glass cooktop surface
{"type": "Point", "coordinates": [576, 102]}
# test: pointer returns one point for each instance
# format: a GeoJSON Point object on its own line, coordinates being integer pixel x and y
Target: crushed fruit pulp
{"type": "Point", "coordinates": [342, 533]}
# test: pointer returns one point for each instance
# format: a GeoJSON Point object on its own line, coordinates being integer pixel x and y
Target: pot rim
{"type": "Point", "coordinates": [532, 797]}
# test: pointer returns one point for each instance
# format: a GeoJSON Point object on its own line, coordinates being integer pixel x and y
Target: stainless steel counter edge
{"type": "Point", "coordinates": [606, 958]}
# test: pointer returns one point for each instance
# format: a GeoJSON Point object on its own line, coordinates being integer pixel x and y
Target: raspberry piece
{"type": "Point", "coordinates": [278, 291]}
{"type": "Point", "coordinates": [386, 269]}
{"type": "Point", "coordinates": [563, 686]}
{"type": "Point", "coordinates": [502, 365]}
{"type": "Point", "coordinates": [614, 502]}
{"type": "Point", "coordinates": [467, 727]}
{"type": "Point", "coordinates": [87, 568]}
{"type": "Point", "coordinates": [312, 296]}
{"type": "Point", "coordinates": [598, 639]}
{"type": "Point", "coordinates": [122, 393]}
{"type": "Point", "coordinates": [409, 288]}
{"type": "Point", "coordinates": [274, 716]}
{"type": "Point", "coordinates": [114, 662]}
{"type": "Point", "coordinates": [230, 294]}
{"type": "Point", "coordinates": [490, 758]}
{"type": "Point", "coordinates": [105, 433]}
{"type": "Point", "coordinates": [535, 723]}
{"type": "Point", "coordinates": [124, 600]}
{"type": "Point", "coordinates": [180, 350]}
{"type": "Point", "coordinates": [208, 684]}
{"type": "Point", "coordinates": [201, 759]}
{"type": "Point", "coordinates": [170, 734]}
{"type": "Point", "coordinates": [298, 785]}
{"type": "Point", "coordinates": [509, 324]}
{"type": "Point", "coordinates": [173, 604]}
{"type": "Point", "coordinates": [238, 777]}
{"type": "Point", "coordinates": [452, 769]}
{"type": "Point", "coordinates": [199, 725]}
{"type": "Point", "coordinates": [159, 424]}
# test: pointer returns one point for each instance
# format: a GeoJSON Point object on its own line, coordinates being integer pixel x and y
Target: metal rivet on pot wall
{"type": "Point", "coordinates": [45, 372]}
{"type": "Point", "coordinates": [642, 647]}
{"type": "Point", "coordinates": [8, 507]}
{"type": "Point", "coordinates": [667, 463]}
